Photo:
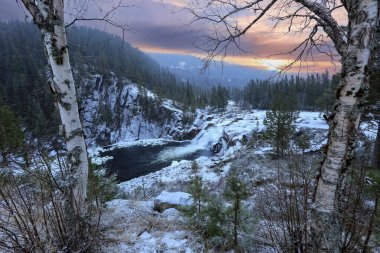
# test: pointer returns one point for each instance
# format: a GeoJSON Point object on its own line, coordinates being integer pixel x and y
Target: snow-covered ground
{"type": "Point", "coordinates": [224, 133]}
{"type": "Point", "coordinates": [219, 128]}
{"type": "Point", "coordinates": [133, 225]}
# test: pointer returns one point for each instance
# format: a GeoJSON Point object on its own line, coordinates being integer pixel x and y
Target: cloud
{"type": "Point", "coordinates": [164, 26]}
{"type": "Point", "coordinates": [170, 37]}
{"type": "Point", "coordinates": [177, 3]}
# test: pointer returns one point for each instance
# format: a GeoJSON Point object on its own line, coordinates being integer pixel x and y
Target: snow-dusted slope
{"type": "Point", "coordinates": [224, 133]}
{"type": "Point", "coordinates": [134, 226]}
{"type": "Point", "coordinates": [112, 113]}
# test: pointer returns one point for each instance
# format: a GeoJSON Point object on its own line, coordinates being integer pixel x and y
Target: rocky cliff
{"type": "Point", "coordinates": [116, 110]}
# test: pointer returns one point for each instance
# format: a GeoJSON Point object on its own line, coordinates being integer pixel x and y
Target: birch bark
{"type": "Point", "coordinates": [49, 16]}
{"type": "Point", "coordinates": [326, 230]}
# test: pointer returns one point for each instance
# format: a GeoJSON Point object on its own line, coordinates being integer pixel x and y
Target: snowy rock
{"type": "Point", "coordinates": [192, 133]}
{"type": "Point", "coordinates": [199, 120]}
{"type": "Point", "coordinates": [171, 214]}
{"type": "Point", "coordinates": [168, 200]}
{"type": "Point", "coordinates": [216, 148]}
{"type": "Point", "coordinates": [112, 113]}
{"type": "Point", "coordinates": [197, 125]}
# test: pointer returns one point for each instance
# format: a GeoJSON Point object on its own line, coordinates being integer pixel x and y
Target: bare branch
{"type": "Point", "coordinates": [300, 17]}
{"type": "Point", "coordinates": [107, 17]}
{"type": "Point", "coordinates": [218, 43]}
{"type": "Point", "coordinates": [330, 25]}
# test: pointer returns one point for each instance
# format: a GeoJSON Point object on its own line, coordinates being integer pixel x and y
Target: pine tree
{"type": "Point", "coordinates": [280, 124]}
{"type": "Point", "coordinates": [219, 97]}
{"type": "Point", "coordinates": [11, 135]}
{"type": "Point", "coordinates": [197, 212]}
{"type": "Point", "coordinates": [236, 191]}
{"type": "Point", "coordinates": [302, 140]}
{"type": "Point", "coordinates": [198, 192]}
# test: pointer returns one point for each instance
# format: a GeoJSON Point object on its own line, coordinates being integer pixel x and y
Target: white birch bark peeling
{"type": "Point", "coordinates": [49, 17]}
{"type": "Point", "coordinates": [344, 125]}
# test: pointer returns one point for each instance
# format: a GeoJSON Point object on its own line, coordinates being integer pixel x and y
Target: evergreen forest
{"type": "Point", "coordinates": [24, 83]}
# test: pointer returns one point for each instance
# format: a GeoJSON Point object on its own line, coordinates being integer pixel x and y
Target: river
{"type": "Point", "coordinates": [134, 161]}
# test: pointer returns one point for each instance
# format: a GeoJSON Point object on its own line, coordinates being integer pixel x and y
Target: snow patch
{"type": "Point", "coordinates": [175, 198]}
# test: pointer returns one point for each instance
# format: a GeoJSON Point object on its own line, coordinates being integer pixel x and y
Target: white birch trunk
{"type": "Point", "coordinates": [49, 17]}
{"type": "Point", "coordinates": [326, 230]}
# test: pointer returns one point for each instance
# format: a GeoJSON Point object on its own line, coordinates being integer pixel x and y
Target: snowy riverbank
{"type": "Point", "coordinates": [132, 225]}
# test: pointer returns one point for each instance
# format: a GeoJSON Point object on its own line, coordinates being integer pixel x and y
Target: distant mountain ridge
{"type": "Point", "coordinates": [226, 74]}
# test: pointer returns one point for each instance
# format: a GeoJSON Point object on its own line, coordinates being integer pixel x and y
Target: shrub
{"type": "Point", "coordinates": [219, 220]}
{"type": "Point", "coordinates": [38, 214]}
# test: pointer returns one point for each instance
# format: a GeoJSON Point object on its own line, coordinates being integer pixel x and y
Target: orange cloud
{"type": "Point", "coordinates": [272, 64]}
{"type": "Point", "coordinates": [162, 26]}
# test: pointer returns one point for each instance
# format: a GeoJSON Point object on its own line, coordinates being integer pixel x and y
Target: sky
{"type": "Point", "coordinates": [165, 26]}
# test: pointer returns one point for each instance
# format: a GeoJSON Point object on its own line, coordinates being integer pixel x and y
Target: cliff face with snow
{"type": "Point", "coordinates": [116, 110]}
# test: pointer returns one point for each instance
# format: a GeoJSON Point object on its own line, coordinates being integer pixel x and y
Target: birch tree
{"type": "Point", "coordinates": [314, 21]}
{"type": "Point", "coordinates": [49, 16]}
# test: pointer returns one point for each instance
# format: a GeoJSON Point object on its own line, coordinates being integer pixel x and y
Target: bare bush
{"type": "Point", "coordinates": [36, 216]}
{"type": "Point", "coordinates": [359, 209]}
{"type": "Point", "coordinates": [285, 206]}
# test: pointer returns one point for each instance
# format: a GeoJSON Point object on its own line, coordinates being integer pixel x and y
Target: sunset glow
{"type": "Point", "coordinates": [168, 30]}
{"type": "Point", "coordinates": [271, 64]}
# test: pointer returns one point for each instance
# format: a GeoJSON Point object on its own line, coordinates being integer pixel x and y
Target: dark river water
{"type": "Point", "coordinates": [135, 161]}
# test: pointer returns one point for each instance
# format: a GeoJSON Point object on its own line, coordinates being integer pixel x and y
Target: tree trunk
{"type": "Point", "coordinates": [376, 153]}
{"type": "Point", "coordinates": [49, 17]}
{"type": "Point", "coordinates": [366, 247]}
{"type": "Point", "coordinates": [5, 158]}
{"type": "Point", "coordinates": [236, 221]}
{"type": "Point", "coordinates": [375, 86]}
{"type": "Point", "coordinates": [326, 228]}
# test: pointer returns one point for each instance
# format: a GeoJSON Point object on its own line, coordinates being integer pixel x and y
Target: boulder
{"type": "Point", "coordinates": [168, 200]}
{"type": "Point", "coordinates": [191, 133]}
{"type": "Point", "coordinates": [216, 148]}
{"type": "Point", "coordinates": [209, 117]}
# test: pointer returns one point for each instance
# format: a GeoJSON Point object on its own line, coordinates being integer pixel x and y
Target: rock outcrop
{"type": "Point", "coordinates": [168, 200]}
{"type": "Point", "coordinates": [117, 110]}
